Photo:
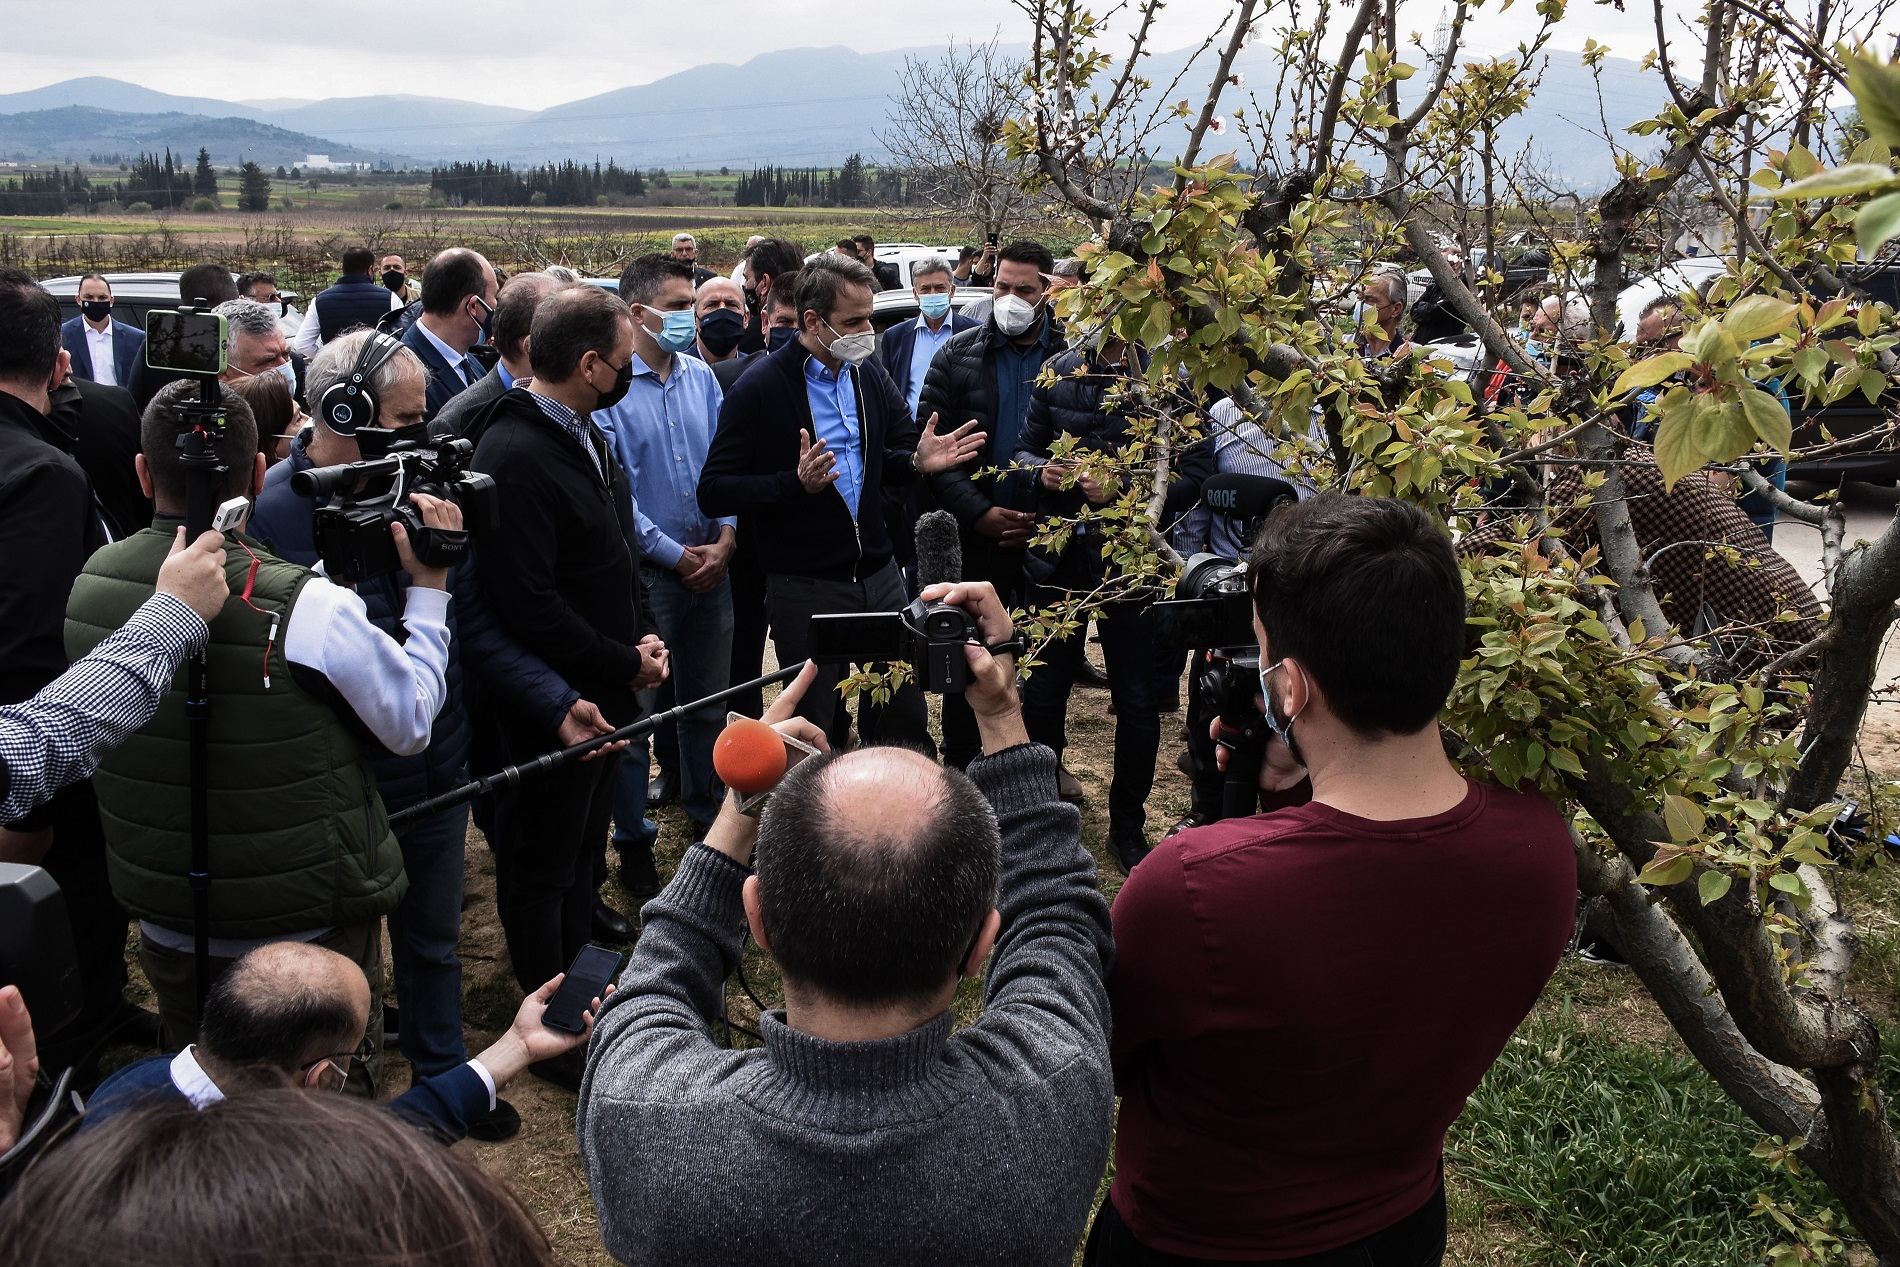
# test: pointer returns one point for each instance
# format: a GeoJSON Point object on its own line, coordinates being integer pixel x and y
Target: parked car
{"type": "Point", "coordinates": [894, 307]}
{"type": "Point", "coordinates": [135, 294]}
{"type": "Point", "coordinates": [907, 256]}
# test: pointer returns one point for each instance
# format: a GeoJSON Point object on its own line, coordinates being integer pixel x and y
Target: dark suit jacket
{"type": "Point", "coordinates": [442, 1105]}
{"type": "Point", "coordinates": [105, 422]}
{"type": "Point", "coordinates": [453, 418]}
{"type": "Point", "coordinates": [901, 340]}
{"type": "Point", "coordinates": [445, 380]}
{"type": "Point", "coordinates": [128, 350]}
{"type": "Point", "coordinates": [728, 370]}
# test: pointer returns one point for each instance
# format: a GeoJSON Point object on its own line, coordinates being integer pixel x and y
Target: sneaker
{"type": "Point", "coordinates": [499, 1123]}
{"type": "Point", "coordinates": [1600, 954]}
{"type": "Point", "coordinates": [1068, 787]}
{"type": "Point", "coordinates": [1129, 846]}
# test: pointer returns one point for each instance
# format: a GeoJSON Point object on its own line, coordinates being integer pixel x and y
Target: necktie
{"type": "Point", "coordinates": [472, 371]}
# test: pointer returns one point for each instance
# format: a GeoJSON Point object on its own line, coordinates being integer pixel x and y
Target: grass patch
{"type": "Point", "coordinates": [1609, 1151]}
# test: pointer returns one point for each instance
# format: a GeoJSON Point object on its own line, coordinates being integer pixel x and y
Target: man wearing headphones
{"type": "Point", "coordinates": [368, 393]}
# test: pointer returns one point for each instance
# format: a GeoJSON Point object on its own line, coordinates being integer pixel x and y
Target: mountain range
{"type": "Point", "coordinates": [795, 107]}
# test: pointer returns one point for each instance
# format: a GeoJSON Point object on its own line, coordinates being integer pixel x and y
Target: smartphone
{"type": "Point", "coordinates": [992, 239]}
{"type": "Point", "coordinates": [186, 342]}
{"type": "Point", "coordinates": [857, 637]}
{"type": "Point", "coordinates": [587, 979]}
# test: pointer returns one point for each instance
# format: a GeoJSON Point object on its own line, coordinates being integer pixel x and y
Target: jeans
{"type": "Point", "coordinates": [697, 629]}
{"type": "Point", "coordinates": [548, 831]}
{"type": "Point", "coordinates": [1128, 645]}
{"type": "Point", "coordinates": [1417, 1240]}
{"type": "Point", "coordinates": [794, 600]}
{"type": "Point", "coordinates": [423, 931]}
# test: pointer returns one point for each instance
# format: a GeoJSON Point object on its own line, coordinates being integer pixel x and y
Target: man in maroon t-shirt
{"type": "Point", "coordinates": [1303, 999]}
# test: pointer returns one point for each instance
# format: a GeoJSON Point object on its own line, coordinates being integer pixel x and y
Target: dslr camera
{"type": "Point", "coordinates": [930, 637]}
{"type": "Point", "coordinates": [352, 531]}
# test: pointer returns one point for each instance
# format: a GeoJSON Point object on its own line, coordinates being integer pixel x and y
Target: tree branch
{"type": "Point", "coordinates": [1243, 22]}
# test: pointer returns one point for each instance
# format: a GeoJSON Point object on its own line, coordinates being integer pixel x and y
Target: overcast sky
{"type": "Point", "coordinates": [484, 50]}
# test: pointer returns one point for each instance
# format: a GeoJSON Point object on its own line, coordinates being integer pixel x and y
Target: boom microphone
{"type": "Point", "coordinates": [939, 549]}
{"type": "Point", "coordinates": [1232, 494]}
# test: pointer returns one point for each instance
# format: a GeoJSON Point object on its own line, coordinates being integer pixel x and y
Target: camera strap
{"type": "Point", "coordinates": [1015, 645]}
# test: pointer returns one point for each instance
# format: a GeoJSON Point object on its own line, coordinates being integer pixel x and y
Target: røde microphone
{"type": "Point", "coordinates": [939, 549]}
{"type": "Point", "coordinates": [1230, 494]}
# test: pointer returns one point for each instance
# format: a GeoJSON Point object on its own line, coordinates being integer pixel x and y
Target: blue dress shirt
{"type": "Point", "coordinates": [1016, 371]}
{"type": "Point", "coordinates": [920, 353]}
{"type": "Point", "coordinates": [834, 416]}
{"type": "Point", "coordinates": [661, 433]}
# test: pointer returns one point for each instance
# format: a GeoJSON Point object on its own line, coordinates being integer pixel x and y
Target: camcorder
{"type": "Point", "coordinates": [352, 531]}
{"type": "Point", "coordinates": [930, 637]}
{"type": "Point", "coordinates": [1212, 611]}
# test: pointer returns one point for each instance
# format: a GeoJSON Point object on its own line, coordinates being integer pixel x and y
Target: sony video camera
{"type": "Point", "coordinates": [930, 637]}
{"type": "Point", "coordinates": [352, 531]}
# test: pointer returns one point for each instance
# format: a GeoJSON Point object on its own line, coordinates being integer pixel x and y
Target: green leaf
{"type": "Point", "coordinates": [1788, 882]}
{"type": "Point", "coordinates": [1684, 818]}
{"type": "Point", "coordinates": [1678, 445]}
{"type": "Point", "coordinates": [1712, 885]}
{"type": "Point", "coordinates": [1801, 163]}
{"type": "Point", "coordinates": [1758, 317]}
{"type": "Point", "coordinates": [1667, 869]}
{"type": "Point", "coordinates": [1768, 417]}
{"type": "Point", "coordinates": [1722, 429]}
{"type": "Point", "coordinates": [1877, 222]}
{"type": "Point", "coordinates": [1649, 372]}
{"type": "Point", "coordinates": [1876, 89]}
{"type": "Point", "coordinates": [1810, 363]}
{"type": "Point", "coordinates": [1872, 383]}
{"type": "Point", "coordinates": [1839, 182]}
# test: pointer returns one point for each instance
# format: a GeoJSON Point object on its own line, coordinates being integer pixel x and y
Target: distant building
{"type": "Point", "coordinates": [322, 163]}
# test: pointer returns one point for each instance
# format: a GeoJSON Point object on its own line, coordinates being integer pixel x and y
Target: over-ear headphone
{"type": "Point", "coordinates": [349, 405]}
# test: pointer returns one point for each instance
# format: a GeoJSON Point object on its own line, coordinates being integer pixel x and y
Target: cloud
{"type": "Point", "coordinates": [483, 50]}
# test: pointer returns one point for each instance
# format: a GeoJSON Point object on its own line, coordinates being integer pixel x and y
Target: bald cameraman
{"type": "Point", "coordinates": [301, 847]}
{"type": "Point", "coordinates": [865, 1131]}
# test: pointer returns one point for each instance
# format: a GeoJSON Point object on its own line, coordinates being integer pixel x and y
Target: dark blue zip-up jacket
{"type": "Point", "coordinates": [284, 520]}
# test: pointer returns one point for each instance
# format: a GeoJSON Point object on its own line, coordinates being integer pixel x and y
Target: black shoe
{"type": "Point", "coordinates": [563, 1071]}
{"type": "Point", "coordinates": [1068, 787]}
{"type": "Point", "coordinates": [611, 926]}
{"type": "Point", "coordinates": [1188, 823]}
{"type": "Point", "coordinates": [664, 789]}
{"type": "Point", "coordinates": [499, 1123]}
{"type": "Point", "coordinates": [1090, 676]}
{"type": "Point", "coordinates": [392, 1025]}
{"type": "Point", "coordinates": [1185, 762]}
{"type": "Point", "coordinates": [638, 876]}
{"type": "Point", "coordinates": [1129, 847]}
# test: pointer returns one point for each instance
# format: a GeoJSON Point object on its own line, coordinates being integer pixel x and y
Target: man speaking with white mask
{"type": "Point", "coordinates": [807, 440]}
{"type": "Point", "coordinates": [986, 376]}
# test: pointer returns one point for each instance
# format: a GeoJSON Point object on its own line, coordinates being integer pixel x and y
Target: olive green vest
{"type": "Point", "coordinates": [298, 836]}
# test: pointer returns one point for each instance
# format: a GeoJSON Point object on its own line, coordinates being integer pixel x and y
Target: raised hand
{"type": "Point", "coordinates": [941, 452]}
{"type": "Point", "coordinates": [816, 466]}
{"type": "Point", "coordinates": [194, 574]}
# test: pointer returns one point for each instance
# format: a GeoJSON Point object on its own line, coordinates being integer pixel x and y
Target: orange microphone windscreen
{"type": "Point", "coordinates": [749, 756]}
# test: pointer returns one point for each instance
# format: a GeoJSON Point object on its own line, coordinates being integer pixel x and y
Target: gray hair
{"type": "Point", "coordinates": [562, 273]}
{"type": "Point", "coordinates": [926, 267]}
{"type": "Point", "coordinates": [1570, 314]}
{"type": "Point", "coordinates": [248, 317]}
{"type": "Point", "coordinates": [1397, 289]}
{"type": "Point", "coordinates": [821, 284]}
{"type": "Point", "coordinates": [333, 364]}
{"type": "Point", "coordinates": [684, 237]}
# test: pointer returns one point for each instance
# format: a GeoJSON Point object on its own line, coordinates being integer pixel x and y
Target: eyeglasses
{"type": "Point", "coordinates": [365, 1053]}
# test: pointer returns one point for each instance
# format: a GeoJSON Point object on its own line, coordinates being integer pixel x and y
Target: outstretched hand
{"type": "Point", "coordinates": [817, 468]}
{"type": "Point", "coordinates": [941, 452]}
{"type": "Point", "coordinates": [733, 833]}
{"type": "Point", "coordinates": [19, 1064]}
{"type": "Point", "coordinates": [194, 574]}
{"type": "Point", "coordinates": [528, 1040]}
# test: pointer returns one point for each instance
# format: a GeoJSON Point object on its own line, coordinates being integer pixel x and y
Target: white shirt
{"type": "Point", "coordinates": [310, 333]}
{"type": "Point", "coordinates": [99, 347]}
{"type": "Point", "coordinates": [447, 353]}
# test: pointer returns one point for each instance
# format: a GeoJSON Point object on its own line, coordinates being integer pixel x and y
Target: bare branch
{"type": "Point", "coordinates": [1243, 24]}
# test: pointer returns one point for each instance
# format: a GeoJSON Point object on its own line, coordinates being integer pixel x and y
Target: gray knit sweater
{"type": "Point", "coordinates": [983, 1146]}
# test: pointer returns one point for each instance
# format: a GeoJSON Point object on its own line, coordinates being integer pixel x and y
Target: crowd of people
{"type": "Point", "coordinates": [683, 465]}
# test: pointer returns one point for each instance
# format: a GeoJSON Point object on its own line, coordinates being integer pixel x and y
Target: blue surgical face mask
{"type": "Point", "coordinates": [1283, 729]}
{"type": "Point", "coordinates": [677, 330]}
{"type": "Point", "coordinates": [934, 306]}
{"type": "Point", "coordinates": [779, 336]}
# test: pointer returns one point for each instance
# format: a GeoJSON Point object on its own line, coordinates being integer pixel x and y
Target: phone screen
{"type": "Point", "coordinates": [190, 343]}
{"type": "Point", "coordinates": [592, 972]}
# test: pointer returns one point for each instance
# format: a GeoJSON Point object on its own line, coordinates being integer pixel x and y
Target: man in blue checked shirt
{"type": "Point", "coordinates": [661, 432]}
